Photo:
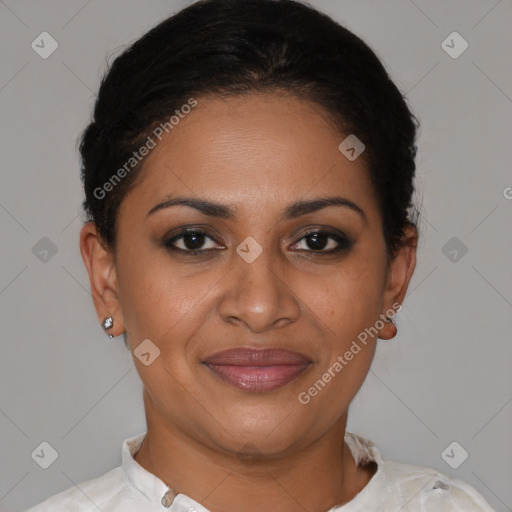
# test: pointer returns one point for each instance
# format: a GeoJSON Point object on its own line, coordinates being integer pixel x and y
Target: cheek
{"type": "Point", "coordinates": [161, 302]}
{"type": "Point", "coordinates": [348, 304]}
{"type": "Point", "coordinates": [149, 295]}
{"type": "Point", "coordinates": [347, 299]}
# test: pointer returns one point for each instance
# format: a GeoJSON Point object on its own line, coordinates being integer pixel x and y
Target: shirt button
{"type": "Point", "coordinates": [168, 498]}
{"type": "Point", "coordinates": [441, 485]}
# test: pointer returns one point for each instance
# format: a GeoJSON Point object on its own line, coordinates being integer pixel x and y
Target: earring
{"type": "Point", "coordinates": [394, 329]}
{"type": "Point", "coordinates": [108, 323]}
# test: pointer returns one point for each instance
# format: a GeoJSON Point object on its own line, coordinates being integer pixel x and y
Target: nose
{"type": "Point", "coordinates": [257, 295]}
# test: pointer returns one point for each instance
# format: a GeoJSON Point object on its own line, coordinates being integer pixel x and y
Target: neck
{"type": "Point", "coordinates": [317, 477]}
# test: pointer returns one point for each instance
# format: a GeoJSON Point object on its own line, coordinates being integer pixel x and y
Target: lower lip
{"type": "Point", "coordinates": [257, 378]}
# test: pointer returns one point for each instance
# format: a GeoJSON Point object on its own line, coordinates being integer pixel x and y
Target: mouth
{"type": "Point", "coordinates": [257, 370]}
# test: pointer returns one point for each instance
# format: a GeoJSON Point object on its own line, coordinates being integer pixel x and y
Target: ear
{"type": "Point", "coordinates": [101, 267]}
{"type": "Point", "coordinates": [400, 271]}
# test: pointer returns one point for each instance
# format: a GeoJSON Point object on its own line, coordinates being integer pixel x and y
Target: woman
{"type": "Point", "coordinates": [248, 178]}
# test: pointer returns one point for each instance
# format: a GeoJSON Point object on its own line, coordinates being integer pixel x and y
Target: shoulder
{"type": "Point", "coordinates": [101, 493]}
{"type": "Point", "coordinates": [427, 490]}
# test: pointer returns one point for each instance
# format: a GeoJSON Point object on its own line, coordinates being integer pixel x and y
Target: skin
{"type": "Point", "coordinates": [258, 153]}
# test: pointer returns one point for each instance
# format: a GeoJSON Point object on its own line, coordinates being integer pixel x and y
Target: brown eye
{"type": "Point", "coordinates": [323, 242]}
{"type": "Point", "coordinates": [190, 241]}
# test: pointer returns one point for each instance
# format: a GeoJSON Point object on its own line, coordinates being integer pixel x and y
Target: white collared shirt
{"type": "Point", "coordinates": [394, 487]}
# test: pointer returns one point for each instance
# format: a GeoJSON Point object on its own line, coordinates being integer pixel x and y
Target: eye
{"type": "Point", "coordinates": [323, 242]}
{"type": "Point", "coordinates": [191, 241]}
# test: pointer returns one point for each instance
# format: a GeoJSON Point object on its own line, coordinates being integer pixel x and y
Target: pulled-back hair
{"type": "Point", "coordinates": [234, 47]}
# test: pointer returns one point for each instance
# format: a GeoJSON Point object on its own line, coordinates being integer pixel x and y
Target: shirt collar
{"type": "Point", "coordinates": [376, 491]}
{"type": "Point", "coordinates": [362, 449]}
{"type": "Point", "coordinates": [150, 485]}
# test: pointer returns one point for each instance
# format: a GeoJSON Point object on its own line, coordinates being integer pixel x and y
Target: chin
{"type": "Point", "coordinates": [270, 434]}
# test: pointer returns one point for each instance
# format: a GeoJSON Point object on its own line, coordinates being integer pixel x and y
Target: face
{"type": "Point", "coordinates": [264, 267]}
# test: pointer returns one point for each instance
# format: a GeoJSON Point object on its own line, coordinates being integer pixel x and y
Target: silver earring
{"type": "Point", "coordinates": [108, 323]}
{"type": "Point", "coordinates": [393, 329]}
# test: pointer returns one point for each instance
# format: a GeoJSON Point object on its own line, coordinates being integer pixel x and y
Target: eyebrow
{"type": "Point", "coordinates": [292, 211]}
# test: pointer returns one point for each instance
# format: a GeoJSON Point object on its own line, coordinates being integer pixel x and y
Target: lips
{"type": "Point", "coordinates": [257, 369]}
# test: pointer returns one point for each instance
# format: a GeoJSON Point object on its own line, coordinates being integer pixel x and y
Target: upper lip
{"type": "Point", "coordinates": [248, 356]}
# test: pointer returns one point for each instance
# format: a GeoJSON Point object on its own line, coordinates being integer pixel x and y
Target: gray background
{"type": "Point", "coordinates": [445, 378]}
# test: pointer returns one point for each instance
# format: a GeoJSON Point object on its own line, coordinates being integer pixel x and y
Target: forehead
{"type": "Point", "coordinates": [251, 150]}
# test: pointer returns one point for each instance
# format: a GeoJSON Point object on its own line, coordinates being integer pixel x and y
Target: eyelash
{"type": "Point", "coordinates": [344, 243]}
